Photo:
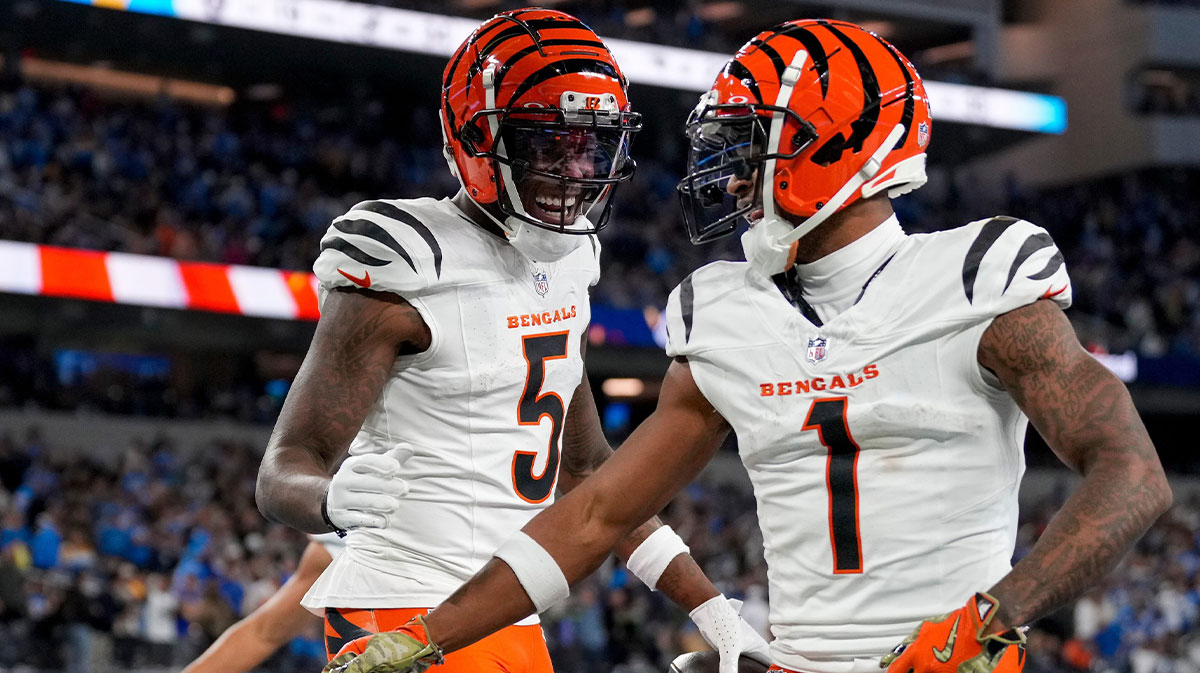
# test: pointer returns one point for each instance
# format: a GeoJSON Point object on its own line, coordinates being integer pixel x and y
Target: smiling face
{"type": "Point", "coordinates": [552, 168]}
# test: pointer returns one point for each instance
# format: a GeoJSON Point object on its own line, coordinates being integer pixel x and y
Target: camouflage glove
{"type": "Point", "coordinates": [953, 643]}
{"type": "Point", "coordinates": [405, 650]}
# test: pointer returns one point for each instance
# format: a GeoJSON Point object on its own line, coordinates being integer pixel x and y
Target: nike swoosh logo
{"type": "Point", "coordinates": [943, 655]}
{"type": "Point", "coordinates": [365, 281]}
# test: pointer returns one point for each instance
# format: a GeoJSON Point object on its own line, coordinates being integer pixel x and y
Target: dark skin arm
{"type": "Point", "coordinates": [584, 450]}
{"type": "Point", "coordinates": [1086, 416]}
{"type": "Point", "coordinates": [358, 337]}
{"type": "Point", "coordinates": [247, 643]}
{"type": "Point", "coordinates": [662, 456]}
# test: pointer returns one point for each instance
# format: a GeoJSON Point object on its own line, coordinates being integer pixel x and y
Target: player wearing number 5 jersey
{"type": "Point", "coordinates": [879, 385]}
{"type": "Point", "coordinates": [448, 360]}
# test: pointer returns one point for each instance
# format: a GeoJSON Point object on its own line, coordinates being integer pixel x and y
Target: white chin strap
{"type": "Point", "coordinates": [768, 244]}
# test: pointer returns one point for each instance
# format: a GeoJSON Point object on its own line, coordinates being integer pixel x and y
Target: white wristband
{"type": "Point", "coordinates": [536, 570]}
{"type": "Point", "coordinates": [654, 554]}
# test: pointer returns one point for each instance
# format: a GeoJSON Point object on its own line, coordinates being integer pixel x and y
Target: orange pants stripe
{"type": "Point", "coordinates": [515, 649]}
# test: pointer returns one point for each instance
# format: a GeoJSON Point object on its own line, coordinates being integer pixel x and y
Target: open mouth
{"type": "Point", "coordinates": [555, 208]}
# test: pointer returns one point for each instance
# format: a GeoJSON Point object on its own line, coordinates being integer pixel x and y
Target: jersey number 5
{"type": "Point", "coordinates": [828, 417]}
{"type": "Point", "coordinates": [535, 405]}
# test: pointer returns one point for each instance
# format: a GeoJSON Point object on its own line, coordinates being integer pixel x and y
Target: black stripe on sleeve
{"type": "Point", "coordinates": [369, 229]}
{"type": "Point", "coordinates": [400, 215]}
{"type": "Point", "coordinates": [1031, 245]}
{"type": "Point", "coordinates": [343, 246]}
{"type": "Point", "coordinates": [687, 304]}
{"type": "Point", "coordinates": [988, 235]}
{"type": "Point", "coordinates": [1052, 266]}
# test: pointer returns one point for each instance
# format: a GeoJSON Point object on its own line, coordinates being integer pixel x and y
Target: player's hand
{"type": "Point", "coordinates": [727, 633]}
{"type": "Point", "coordinates": [954, 643]}
{"type": "Point", "coordinates": [405, 650]}
{"type": "Point", "coordinates": [366, 490]}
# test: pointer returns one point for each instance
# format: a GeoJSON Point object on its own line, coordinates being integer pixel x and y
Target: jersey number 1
{"type": "Point", "coordinates": [828, 417]}
{"type": "Point", "coordinates": [535, 405]}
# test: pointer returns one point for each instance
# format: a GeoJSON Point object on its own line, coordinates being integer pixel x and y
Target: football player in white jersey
{"type": "Point", "coordinates": [879, 385]}
{"type": "Point", "coordinates": [448, 359]}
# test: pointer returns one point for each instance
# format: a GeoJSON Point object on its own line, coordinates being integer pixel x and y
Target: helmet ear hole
{"type": "Point", "coordinates": [472, 137]}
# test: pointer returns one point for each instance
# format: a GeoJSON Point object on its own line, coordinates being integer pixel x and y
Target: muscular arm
{"type": "Point", "coordinates": [248, 642]}
{"type": "Point", "coordinates": [1086, 416]}
{"type": "Point", "coordinates": [584, 450]}
{"type": "Point", "coordinates": [662, 456]}
{"type": "Point", "coordinates": [356, 343]}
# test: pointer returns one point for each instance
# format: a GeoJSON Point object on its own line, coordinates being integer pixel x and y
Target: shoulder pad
{"type": "Point", "coordinates": [381, 245]}
{"type": "Point", "coordinates": [703, 288]}
{"type": "Point", "coordinates": [1010, 263]}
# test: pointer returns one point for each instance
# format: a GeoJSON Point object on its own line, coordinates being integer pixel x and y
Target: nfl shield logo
{"type": "Point", "coordinates": [922, 134]}
{"type": "Point", "coordinates": [817, 348]}
{"type": "Point", "coordinates": [541, 283]}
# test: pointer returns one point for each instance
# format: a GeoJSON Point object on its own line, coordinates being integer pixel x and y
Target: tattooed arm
{"type": "Point", "coordinates": [1086, 416]}
{"type": "Point", "coordinates": [584, 449]}
{"type": "Point", "coordinates": [359, 335]}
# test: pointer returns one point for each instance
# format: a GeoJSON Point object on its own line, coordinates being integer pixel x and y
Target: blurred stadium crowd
{"type": "Point", "coordinates": [142, 560]}
{"type": "Point", "coordinates": [259, 184]}
{"type": "Point", "coordinates": [138, 557]}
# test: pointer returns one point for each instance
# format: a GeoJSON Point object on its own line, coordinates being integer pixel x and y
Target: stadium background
{"type": "Point", "coordinates": [136, 392]}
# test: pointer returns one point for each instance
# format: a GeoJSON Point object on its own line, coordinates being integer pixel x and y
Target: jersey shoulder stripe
{"type": "Point", "coordinates": [398, 214]}
{"type": "Point", "coordinates": [368, 229]}
{"type": "Point", "coordinates": [687, 306]}
{"type": "Point", "coordinates": [1035, 239]}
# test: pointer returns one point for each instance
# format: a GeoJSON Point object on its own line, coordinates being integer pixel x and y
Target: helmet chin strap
{"type": "Point", "coordinates": [768, 244]}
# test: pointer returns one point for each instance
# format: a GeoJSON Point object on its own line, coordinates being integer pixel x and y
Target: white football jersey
{"type": "Point", "coordinates": [884, 460]}
{"type": "Point", "coordinates": [483, 407]}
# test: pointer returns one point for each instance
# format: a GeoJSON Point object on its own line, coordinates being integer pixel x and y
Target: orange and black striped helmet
{"type": "Point", "coordinates": [536, 119]}
{"type": "Point", "coordinates": [808, 105]}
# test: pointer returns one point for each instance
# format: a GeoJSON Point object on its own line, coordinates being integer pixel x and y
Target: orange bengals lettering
{"type": "Point", "coordinates": [543, 318]}
{"type": "Point", "coordinates": [820, 383]}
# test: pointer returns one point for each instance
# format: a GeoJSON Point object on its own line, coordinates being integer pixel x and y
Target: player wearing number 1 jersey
{"type": "Point", "coordinates": [448, 360]}
{"type": "Point", "coordinates": [879, 385]}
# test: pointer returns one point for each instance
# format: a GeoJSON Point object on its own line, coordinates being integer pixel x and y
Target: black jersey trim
{"type": "Point", "coordinates": [346, 248]}
{"type": "Point", "coordinates": [1052, 267]}
{"type": "Point", "coordinates": [1031, 245]}
{"type": "Point", "coordinates": [405, 217]}
{"type": "Point", "coordinates": [687, 306]}
{"type": "Point", "coordinates": [988, 235]}
{"type": "Point", "coordinates": [368, 229]}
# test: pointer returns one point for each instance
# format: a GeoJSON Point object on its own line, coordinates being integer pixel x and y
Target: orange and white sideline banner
{"type": "Point", "coordinates": [143, 280]}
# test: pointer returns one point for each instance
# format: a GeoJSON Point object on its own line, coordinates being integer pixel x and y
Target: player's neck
{"type": "Point", "coordinates": [843, 228]}
{"type": "Point", "coordinates": [475, 213]}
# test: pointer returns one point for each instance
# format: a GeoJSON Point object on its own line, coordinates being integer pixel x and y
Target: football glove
{"type": "Point", "coordinates": [366, 490]}
{"type": "Point", "coordinates": [405, 650]}
{"type": "Point", "coordinates": [954, 643]}
{"type": "Point", "coordinates": [726, 632]}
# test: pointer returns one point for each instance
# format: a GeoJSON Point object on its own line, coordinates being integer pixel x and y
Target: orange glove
{"type": "Point", "coordinates": [405, 650]}
{"type": "Point", "coordinates": [954, 643]}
